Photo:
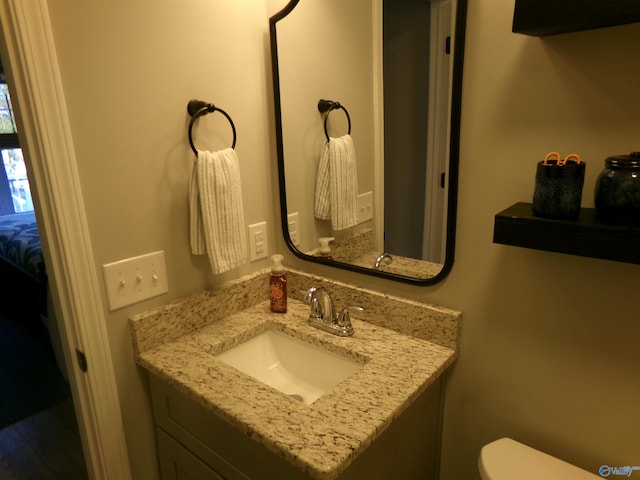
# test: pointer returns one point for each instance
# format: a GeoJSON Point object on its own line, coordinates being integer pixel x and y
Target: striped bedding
{"type": "Point", "coordinates": [20, 244]}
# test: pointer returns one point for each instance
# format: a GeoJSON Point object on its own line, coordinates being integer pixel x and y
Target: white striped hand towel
{"type": "Point", "coordinates": [336, 196]}
{"type": "Point", "coordinates": [216, 212]}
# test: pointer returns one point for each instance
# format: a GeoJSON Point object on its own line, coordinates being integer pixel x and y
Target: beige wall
{"type": "Point", "coordinates": [550, 342]}
{"type": "Point", "coordinates": [549, 350]}
{"type": "Point", "coordinates": [129, 68]}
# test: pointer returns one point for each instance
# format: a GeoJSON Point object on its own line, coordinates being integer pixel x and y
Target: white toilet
{"type": "Point", "coordinates": [506, 459]}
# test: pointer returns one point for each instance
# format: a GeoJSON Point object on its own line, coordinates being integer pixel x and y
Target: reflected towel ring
{"type": "Point", "coordinates": [325, 107]}
{"type": "Point", "coordinates": [197, 108]}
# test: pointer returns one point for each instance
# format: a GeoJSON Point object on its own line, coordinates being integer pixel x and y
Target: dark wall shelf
{"type": "Point", "coordinates": [551, 17]}
{"type": "Point", "coordinates": [586, 236]}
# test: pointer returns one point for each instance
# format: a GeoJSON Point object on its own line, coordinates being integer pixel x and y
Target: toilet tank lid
{"type": "Point", "coordinates": [506, 459]}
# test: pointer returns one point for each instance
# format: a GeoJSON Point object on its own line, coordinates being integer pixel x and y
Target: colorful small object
{"type": "Point", "coordinates": [558, 188]}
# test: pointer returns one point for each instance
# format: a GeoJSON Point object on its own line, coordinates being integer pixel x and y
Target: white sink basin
{"type": "Point", "coordinates": [294, 367]}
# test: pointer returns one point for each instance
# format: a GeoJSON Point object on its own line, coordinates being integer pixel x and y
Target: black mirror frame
{"type": "Point", "coordinates": [454, 153]}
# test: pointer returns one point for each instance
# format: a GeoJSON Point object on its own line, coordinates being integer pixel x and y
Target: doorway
{"type": "Point", "coordinates": [416, 64]}
{"type": "Point", "coordinates": [28, 48]}
{"type": "Point", "coordinates": [37, 410]}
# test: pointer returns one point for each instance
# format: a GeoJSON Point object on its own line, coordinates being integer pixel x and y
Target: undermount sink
{"type": "Point", "coordinates": [290, 365]}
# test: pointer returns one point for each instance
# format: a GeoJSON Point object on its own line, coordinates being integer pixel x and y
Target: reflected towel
{"type": "Point", "coordinates": [216, 213]}
{"type": "Point", "coordinates": [336, 196]}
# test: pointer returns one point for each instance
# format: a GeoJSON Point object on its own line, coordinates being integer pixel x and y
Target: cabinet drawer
{"type": "Point", "coordinates": [177, 463]}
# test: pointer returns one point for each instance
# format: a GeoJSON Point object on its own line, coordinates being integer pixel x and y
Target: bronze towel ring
{"type": "Point", "coordinates": [325, 107]}
{"type": "Point", "coordinates": [197, 108]}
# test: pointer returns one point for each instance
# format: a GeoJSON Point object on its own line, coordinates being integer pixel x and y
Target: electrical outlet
{"type": "Point", "coordinates": [365, 207]}
{"type": "Point", "coordinates": [258, 244]}
{"type": "Point", "coordinates": [135, 279]}
{"type": "Point", "coordinates": [293, 223]}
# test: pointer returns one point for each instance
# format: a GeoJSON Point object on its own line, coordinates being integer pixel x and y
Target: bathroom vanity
{"type": "Point", "coordinates": [215, 422]}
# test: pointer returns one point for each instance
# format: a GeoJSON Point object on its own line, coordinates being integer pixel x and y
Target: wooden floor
{"type": "Point", "coordinates": [45, 446]}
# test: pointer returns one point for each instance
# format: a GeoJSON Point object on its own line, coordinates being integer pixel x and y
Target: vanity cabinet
{"type": "Point", "coordinates": [194, 444]}
{"type": "Point", "coordinates": [213, 421]}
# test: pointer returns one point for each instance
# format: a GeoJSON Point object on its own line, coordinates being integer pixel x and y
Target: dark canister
{"type": "Point", "coordinates": [617, 192]}
{"type": "Point", "coordinates": [558, 190]}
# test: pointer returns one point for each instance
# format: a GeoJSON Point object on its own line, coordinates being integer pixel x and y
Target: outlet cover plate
{"type": "Point", "coordinates": [135, 279]}
{"type": "Point", "coordinates": [258, 241]}
{"type": "Point", "coordinates": [365, 206]}
{"type": "Point", "coordinates": [293, 221]}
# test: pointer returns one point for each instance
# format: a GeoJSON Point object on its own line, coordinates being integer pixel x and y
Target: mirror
{"type": "Point", "coordinates": [382, 79]}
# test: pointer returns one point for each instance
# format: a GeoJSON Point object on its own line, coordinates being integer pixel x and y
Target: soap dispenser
{"type": "Point", "coordinates": [325, 250]}
{"type": "Point", "coordinates": [278, 285]}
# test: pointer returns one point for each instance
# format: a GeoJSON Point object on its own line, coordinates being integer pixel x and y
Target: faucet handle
{"type": "Point", "coordinates": [344, 319]}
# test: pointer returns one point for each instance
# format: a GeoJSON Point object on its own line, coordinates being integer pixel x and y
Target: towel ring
{"type": "Point", "coordinates": [197, 108]}
{"type": "Point", "coordinates": [325, 107]}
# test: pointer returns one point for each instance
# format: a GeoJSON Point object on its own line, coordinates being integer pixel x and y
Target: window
{"type": "Point", "coordinates": [15, 194]}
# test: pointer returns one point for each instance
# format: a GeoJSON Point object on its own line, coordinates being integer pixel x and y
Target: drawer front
{"type": "Point", "coordinates": [177, 463]}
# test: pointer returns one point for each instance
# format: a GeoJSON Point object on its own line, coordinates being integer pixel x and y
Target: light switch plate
{"type": "Point", "coordinates": [135, 279]}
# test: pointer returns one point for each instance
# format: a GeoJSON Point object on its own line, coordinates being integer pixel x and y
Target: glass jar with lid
{"type": "Point", "coordinates": [617, 194]}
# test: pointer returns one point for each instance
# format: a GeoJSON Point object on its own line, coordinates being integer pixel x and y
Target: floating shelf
{"type": "Point", "coordinates": [585, 236]}
{"type": "Point", "coordinates": [551, 17]}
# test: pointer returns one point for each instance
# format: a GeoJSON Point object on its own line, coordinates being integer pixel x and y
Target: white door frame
{"type": "Point", "coordinates": [440, 65]}
{"type": "Point", "coordinates": [29, 55]}
{"type": "Point", "coordinates": [378, 125]}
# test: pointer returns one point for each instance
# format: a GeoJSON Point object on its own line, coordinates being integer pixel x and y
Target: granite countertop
{"type": "Point", "coordinates": [323, 438]}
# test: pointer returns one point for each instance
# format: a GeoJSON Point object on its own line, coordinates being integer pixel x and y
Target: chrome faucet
{"type": "Point", "coordinates": [382, 258]}
{"type": "Point", "coordinates": [323, 313]}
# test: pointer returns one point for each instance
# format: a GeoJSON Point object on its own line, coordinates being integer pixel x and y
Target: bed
{"type": "Point", "coordinates": [20, 246]}
{"type": "Point", "coordinates": [23, 277]}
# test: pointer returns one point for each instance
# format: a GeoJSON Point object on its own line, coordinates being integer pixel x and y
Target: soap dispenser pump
{"type": "Point", "coordinates": [278, 285]}
{"type": "Point", "coordinates": [325, 250]}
